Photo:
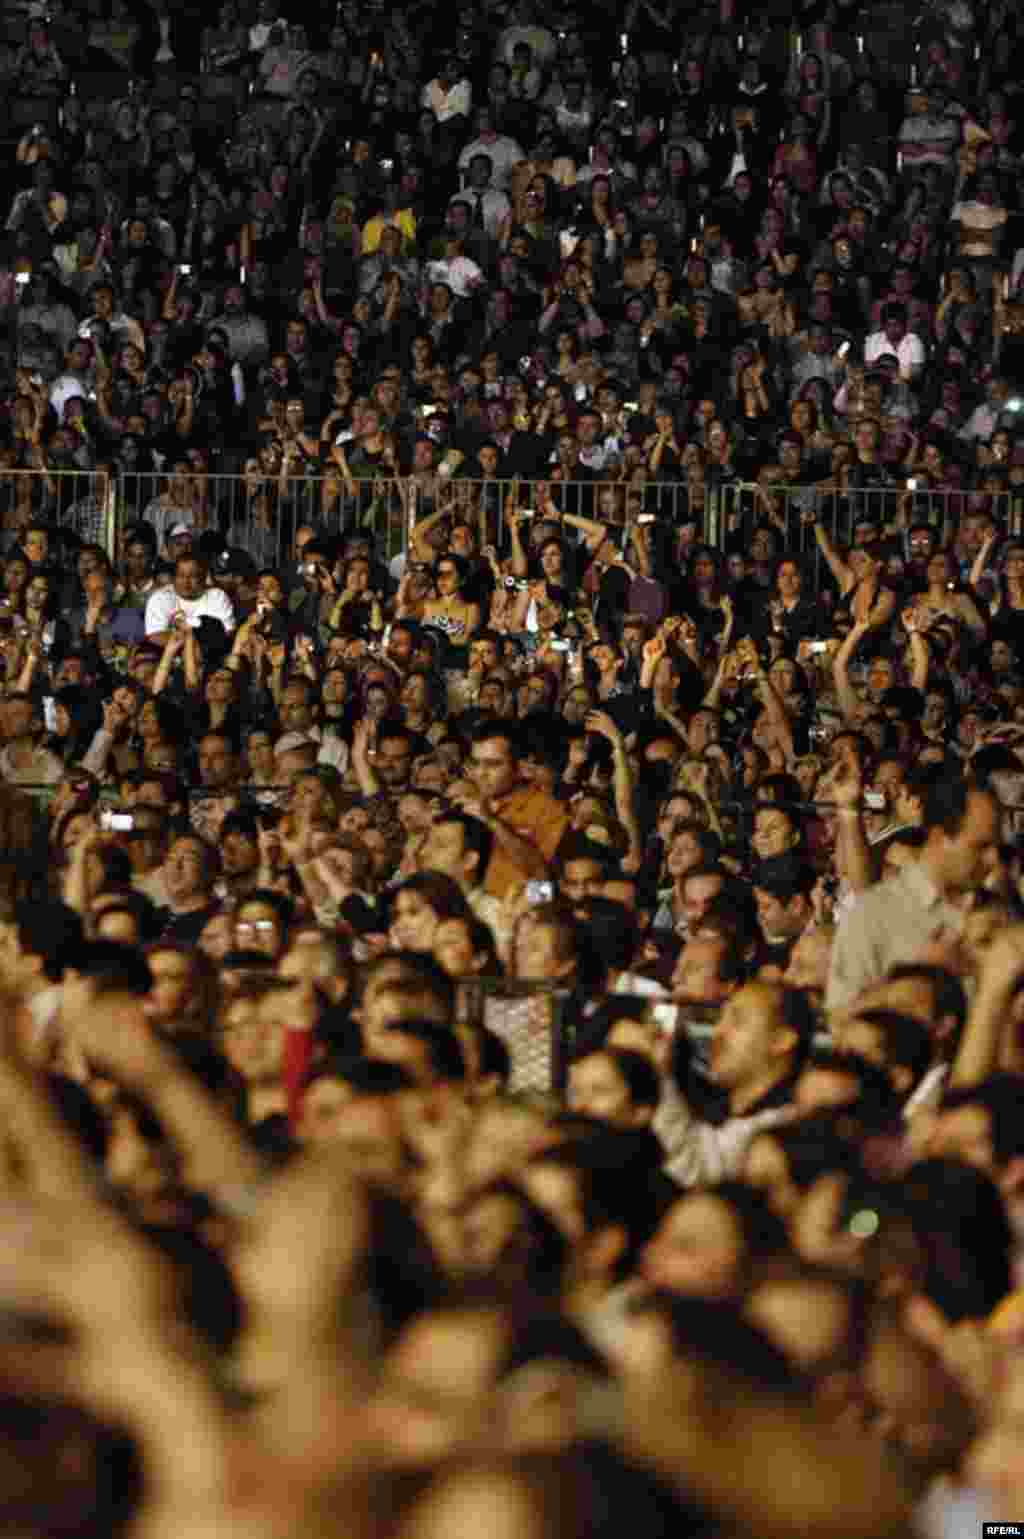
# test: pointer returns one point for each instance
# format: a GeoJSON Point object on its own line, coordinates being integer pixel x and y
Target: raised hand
{"type": "Point", "coordinates": [603, 724]}
{"type": "Point", "coordinates": [846, 783]}
{"type": "Point", "coordinates": [654, 650]}
{"type": "Point", "coordinates": [114, 717]}
{"type": "Point", "coordinates": [270, 848]}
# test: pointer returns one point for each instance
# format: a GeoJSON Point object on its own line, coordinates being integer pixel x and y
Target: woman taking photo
{"type": "Point", "coordinates": [450, 613]}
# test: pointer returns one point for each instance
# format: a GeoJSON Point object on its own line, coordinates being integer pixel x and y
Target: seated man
{"type": "Point", "coordinates": [190, 599]}
{"type": "Point", "coordinates": [758, 1047]}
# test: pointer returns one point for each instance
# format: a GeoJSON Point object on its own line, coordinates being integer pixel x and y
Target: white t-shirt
{"type": "Point", "coordinates": [909, 350]}
{"type": "Point", "coordinates": [460, 273]}
{"type": "Point", "coordinates": [166, 602]}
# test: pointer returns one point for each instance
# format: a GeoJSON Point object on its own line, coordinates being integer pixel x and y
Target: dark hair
{"type": "Point", "coordinates": [415, 970]}
{"type": "Point", "coordinates": [591, 967]}
{"type": "Point", "coordinates": [795, 879]}
{"type": "Point", "coordinates": [945, 803]}
{"type": "Point", "coordinates": [616, 1179]}
{"type": "Point", "coordinates": [242, 820]}
{"type": "Point", "coordinates": [612, 931]}
{"type": "Point", "coordinates": [400, 1273]}
{"type": "Point", "coordinates": [282, 905]}
{"type": "Point", "coordinates": [203, 982]}
{"type": "Point", "coordinates": [445, 1057]}
{"type": "Point", "coordinates": [443, 895]}
{"type": "Point", "coordinates": [875, 1103]}
{"type": "Point", "coordinates": [533, 1260]}
{"type": "Point", "coordinates": [477, 838]}
{"type": "Point", "coordinates": [78, 1114]}
{"type": "Point", "coordinates": [906, 1043]}
{"type": "Point", "coordinates": [503, 731]}
{"type": "Point", "coordinates": [999, 1095]}
{"type": "Point", "coordinates": [960, 1219]}
{"type": "Point", "coordinates": [725, 1344]}
{"type": "Point", "coordinates": [732, 916]}
{"type": "Point", "coordinates": [602, 1019]}
{"type": "Point", "coordinates": [638, 1074]}
{"type": "Point", "coordinates": [576, 846]}
{"type": "Point", "coordinates": [813, 1146]}
{"type": "Point", "coordinates": [365, 1076]}
{"type": "Point", "coordinates": [950, 998]}
{"type": "Point", "coordinates": [51, 931]}
{"type": "Point", "coordinates": [494, 1055]}
{"type": "Point", "coordinates": [115, 968]}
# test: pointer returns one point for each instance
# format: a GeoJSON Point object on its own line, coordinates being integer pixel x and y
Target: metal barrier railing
{"type": "Point", "coordinates": [530, 1018]}
{"type": "Point", "coordinates": [261, 513]}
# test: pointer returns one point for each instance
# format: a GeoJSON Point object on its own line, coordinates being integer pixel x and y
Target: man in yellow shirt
{"type": "Point", "coordinates": [527, 824]}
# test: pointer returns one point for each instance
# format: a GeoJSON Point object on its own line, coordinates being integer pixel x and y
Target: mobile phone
{"type": "Point", "coordinates": [558, 644]}
{"type": "Point", "coordinates": [539, 892]}
{"type": "Point", "coordinates": [874, 801]}
{"type": "Point", "coordinates": [185, 269]}
{"type": "Point", "coordinates": [912, 484]}
{"type": "Point", "coordinates": [843, 350]}
{"type": "Point", "coordinates": [21, 279]}
{"type": "Point", "coordinates": [310, 569]}
{"type": "Point", "coordinates": [116, 822]}
{"type": "Point", "coordinates": [645, 518]}
{"type": "Point", "coordinates": [816, 648]}
{"type": "Point", "coordinates": [429, 411]}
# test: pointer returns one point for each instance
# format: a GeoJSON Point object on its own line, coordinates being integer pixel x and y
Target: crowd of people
{"type": "Point", "coordinates": [511, 774]}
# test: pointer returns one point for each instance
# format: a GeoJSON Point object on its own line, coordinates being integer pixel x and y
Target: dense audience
{"type": "Point", "coordinates": [511, 769]}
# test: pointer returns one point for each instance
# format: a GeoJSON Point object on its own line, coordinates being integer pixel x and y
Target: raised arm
{"type": "Point", "coordinates": [920, 658]}
{"type": "Point", "coordinates": [518, 561]}
{"type": "Point", "coordinates": [772, 702]}
{"type": "Point", "coordinates": [842, 573]}
{"type": "Point", "coordinates": [849, 703]}
{"type": "Point", "coordinates": [986, 1044]}
{"type": "Point", "coordinates": [421, 551]}
{"type": "Point", "coordinates": [622, 783]}
{"type": "Point", "coordinates": [981, 562]}
{"type": "Point", "coordinates": [369, 785]}
{"type": "Point", "coordinates": [845, 786]}
{"type": "Point", "coordinates": [173, 646]}
{"type": "Point", "coordinates": [113, 1033]}
{"type": "Point", "coordinates": [594, 534]}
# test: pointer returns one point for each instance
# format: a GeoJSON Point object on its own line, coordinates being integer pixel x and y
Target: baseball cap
{"type": "Point", "coordinates": [291, 740]}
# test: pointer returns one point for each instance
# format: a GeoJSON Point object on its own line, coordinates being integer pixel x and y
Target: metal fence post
{"type": "Point", "coordinates": [561, 1047]}
{"type": "Point", "coordinates": [714, 519]}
